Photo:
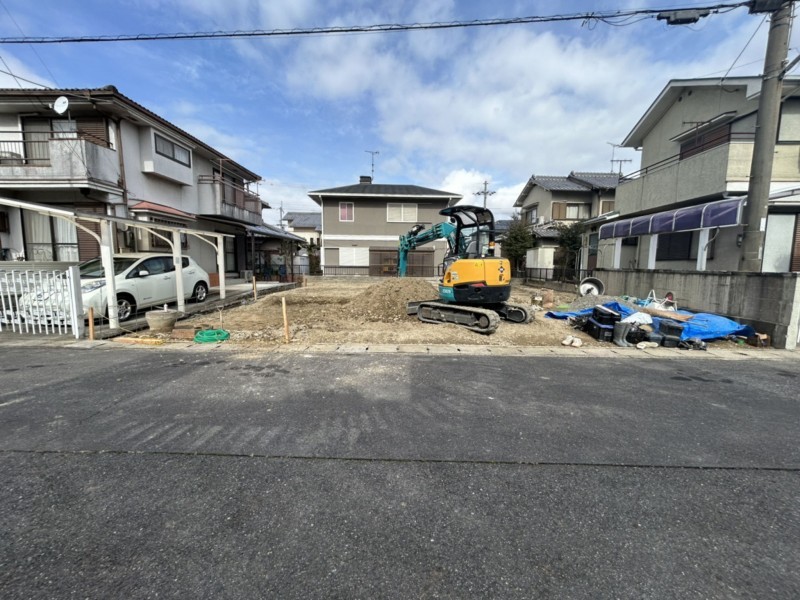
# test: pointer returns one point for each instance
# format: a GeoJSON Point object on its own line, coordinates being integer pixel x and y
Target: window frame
{"type": "Point", "coordinates": [404, 206]}
{"type": "Point", "coordinates": [352, 212]}
{"type": "Point", "coordinates": [157, 242]}
{"type": "Point", "coordinates": [563, 207]}
{"type": "Point", "coordinates": [172, 146]}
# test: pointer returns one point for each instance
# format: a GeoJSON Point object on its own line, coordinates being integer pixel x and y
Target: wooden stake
{"type": "Point", "coordinates": [91, 323]}
{"type": "Point", "coordinates": [285, 320]}
{"type": "Point", "coordinates": [255, 289]}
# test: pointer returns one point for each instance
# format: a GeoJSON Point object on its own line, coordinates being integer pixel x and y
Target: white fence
{"type": "Point", "coordinates": [41, 301]}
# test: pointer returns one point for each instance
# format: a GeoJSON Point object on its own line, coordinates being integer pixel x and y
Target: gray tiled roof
{"type": "Point", "coordinates": [382, 189]}
{"type": "Point", "coordinates": [603, 181]}
{"type": "Point", "coordinates": [502, 226]}
{"type": "Point", "coordinates": [559, 184]}
{"type": "Point", "coordinates": [547, 233]}
{"type": "Point", "coordinates": [305, 220]}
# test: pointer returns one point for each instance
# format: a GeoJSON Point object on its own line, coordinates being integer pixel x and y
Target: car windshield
{"type": "Point", "coordinates": [93, 269]}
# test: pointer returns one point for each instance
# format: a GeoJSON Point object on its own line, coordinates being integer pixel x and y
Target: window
{"type": "Point", "coordinates": [49, 238]}
{"type": "Point", "coordinates": [606, 206]}
{"type": "Point", "coordinates": [346, 211]}
{"type": "Point", "coordinates": [531, 215]}
{"type": "Point", "coordinates": [563, 211]}
{"type": "Point", "coordinates": [401, 213]}
{"type": "Point", "coordinates": [157, 242]}
{"type": "Point", "coordinates": [172, 151]}
{"type": "Point", "coordinates": [674, 246]}
{"type": "Point", "coordinates": [706, 141]}
{"type": "Point", "coordinates": [353, 257]}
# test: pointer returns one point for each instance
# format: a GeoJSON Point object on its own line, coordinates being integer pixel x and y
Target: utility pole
{"type": "Point", "coordinates": [485, 193]}
{"type": "Point", "coordinates": [769, 107]}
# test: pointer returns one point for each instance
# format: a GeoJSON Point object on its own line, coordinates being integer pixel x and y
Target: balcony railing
{"type": "Point", "coordinates": [667, 162]}
{"type": "Point", "coordinates": [34, 147]}
{"type": "Point", "coordinates": [234, 195]}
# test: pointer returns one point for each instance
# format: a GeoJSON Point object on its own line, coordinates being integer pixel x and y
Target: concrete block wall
{"type": "Point", "coordinates": [769, 302]}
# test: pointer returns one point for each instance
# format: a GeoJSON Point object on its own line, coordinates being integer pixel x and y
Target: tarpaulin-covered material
{"type": "Point", "coordinates": [704, 326]}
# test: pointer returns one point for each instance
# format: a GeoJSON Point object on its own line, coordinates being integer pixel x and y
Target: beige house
{"type": "Point", "coordinates": [546, 200]}
{"type": "Point", "coordinates": [98, 151]}
{"type": "Point", "coordinates": [678, 221]}
{"type": "Point", "coordinates": [307, 225]}
{"type": "Point", "coordinates": [696, 141]}
{"type": "Point", "coordinates": [362, 223]}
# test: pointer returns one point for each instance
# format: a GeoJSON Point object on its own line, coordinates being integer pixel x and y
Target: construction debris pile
{"type": "Point", "coordinates": [649, 323]}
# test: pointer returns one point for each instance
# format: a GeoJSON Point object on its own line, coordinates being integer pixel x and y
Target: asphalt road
{"type": "Point", "coordinates": [149, 473]}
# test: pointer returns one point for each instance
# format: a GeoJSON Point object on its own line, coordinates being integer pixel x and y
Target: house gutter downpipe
{"type": "Point", "coordinates": [769, 106]}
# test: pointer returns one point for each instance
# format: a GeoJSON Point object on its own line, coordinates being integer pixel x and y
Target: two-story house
{"type": "Point", "coordinates": [98, 151]}
{"type": "Point", "coordinates": [362, 223]}
{"type": "Point", "coordinates": [679, 223]}
{"type": "Point", "coordinates": [547, 200]}
{"type": "Point", "coordinates": [307, 225]}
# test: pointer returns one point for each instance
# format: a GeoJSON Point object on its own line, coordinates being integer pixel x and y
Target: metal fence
{"type": "Point", "coordinates": [41, 302]}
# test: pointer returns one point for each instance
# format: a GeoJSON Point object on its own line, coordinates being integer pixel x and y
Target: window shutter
{"type": "Point", "coordinates": [394, 213]}
{"type": "Point", "coordinates": [559, 211]}
{"type": "Point", "coordinates": [87, 245]}
{"type": "Point", "coordinates": [410, 213]}
{"type": "Point", "coordinates": [93, 130]}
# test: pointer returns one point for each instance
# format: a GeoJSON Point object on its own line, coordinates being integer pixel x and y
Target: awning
{"type": "Point", "coordinates": [721, 213]}
{"type": "Point", "coordinates": [273, 232]}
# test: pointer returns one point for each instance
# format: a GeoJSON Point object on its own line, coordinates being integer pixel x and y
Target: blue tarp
{"type": "Point", "coordinates": [704, 326]}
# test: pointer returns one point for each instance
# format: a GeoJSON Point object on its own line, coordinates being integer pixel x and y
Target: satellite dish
{"type": "Point", "coordinates": [61, 105]}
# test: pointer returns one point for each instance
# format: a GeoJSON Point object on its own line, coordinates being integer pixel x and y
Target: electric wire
{"type": "Point", "coordinates": [616, 18]}
{"type": "Point", "coordinates": [14, 21]}
{"type": "Point", "coordinates": [747, 44]}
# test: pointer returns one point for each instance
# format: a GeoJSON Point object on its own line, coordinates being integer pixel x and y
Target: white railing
{"type": "Point", "coordinates": [41, 302]}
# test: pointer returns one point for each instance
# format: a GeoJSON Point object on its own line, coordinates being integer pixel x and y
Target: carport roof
{"type": "Point", "coordinates": [271, 231]}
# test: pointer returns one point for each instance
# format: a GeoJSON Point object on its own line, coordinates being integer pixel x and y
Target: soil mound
{"type": "Point", "coordinates": [386, 301]}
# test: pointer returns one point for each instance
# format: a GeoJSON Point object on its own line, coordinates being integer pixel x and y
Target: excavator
{"type": "Point", "coordinates": [475, 284]}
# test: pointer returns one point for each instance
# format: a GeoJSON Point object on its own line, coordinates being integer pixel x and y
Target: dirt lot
{"type": "Point", "coordinates": [336, 311]}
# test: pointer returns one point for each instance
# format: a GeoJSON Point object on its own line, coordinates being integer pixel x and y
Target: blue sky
{"type": "Point", "coordinates": [446, 109]}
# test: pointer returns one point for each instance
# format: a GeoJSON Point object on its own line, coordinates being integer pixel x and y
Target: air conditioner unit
{"type": "Point", "coordinates": [541, 220]}
{"type": "Point", "coordinates": [246, 274]}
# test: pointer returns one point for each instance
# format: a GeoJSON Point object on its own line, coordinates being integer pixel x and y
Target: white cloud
{"type": "Point", "coordinates": [469, 183]}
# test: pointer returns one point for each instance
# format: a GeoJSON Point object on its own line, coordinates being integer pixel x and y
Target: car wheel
{"type": "Point", "coordinates": [126, 308]}
{"type": "Point", "coordinates": [200, 292]}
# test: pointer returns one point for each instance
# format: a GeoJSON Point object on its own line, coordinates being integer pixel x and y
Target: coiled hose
{"type": "Point", "coordinates": [211, 335]}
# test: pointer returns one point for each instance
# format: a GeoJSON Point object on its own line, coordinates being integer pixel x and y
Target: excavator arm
{"type": "Point", "coordinates": [419, 236]}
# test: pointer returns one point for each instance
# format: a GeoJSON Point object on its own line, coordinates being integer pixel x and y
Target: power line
{"type": "Point", "coordinates": [13, 20]}
{"type": "Point", "coordinates": [617, 17]}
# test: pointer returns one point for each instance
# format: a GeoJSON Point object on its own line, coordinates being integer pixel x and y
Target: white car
{"type": "Point", "coordinates": [142, 280]}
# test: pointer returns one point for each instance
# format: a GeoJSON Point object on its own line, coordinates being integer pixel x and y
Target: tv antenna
{"type": "Point", "coordinates": [485, 192]}
{"type": "Point", "coordinates": [617, 160]}
{"type": "Point", "coordinates": [372, 153]}
{"type": "Point", "coordinates": [620, 161]}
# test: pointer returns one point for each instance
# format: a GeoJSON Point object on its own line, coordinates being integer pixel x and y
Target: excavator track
{"type": "Point", "coordinates": [514, 313]}
{"type": "Point", "coordinates": [481, 320]}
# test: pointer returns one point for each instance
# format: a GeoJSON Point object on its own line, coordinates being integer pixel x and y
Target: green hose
{"type": "Point", "coordinates": [211, 335]}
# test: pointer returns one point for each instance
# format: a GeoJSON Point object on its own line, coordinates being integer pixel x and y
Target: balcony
{"type": "Point", "coordinates": [707, 174]}
{"type": "Point", "coordinates": [219, 197]}
{"type": "Point", "coordinates": [56, 162]}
